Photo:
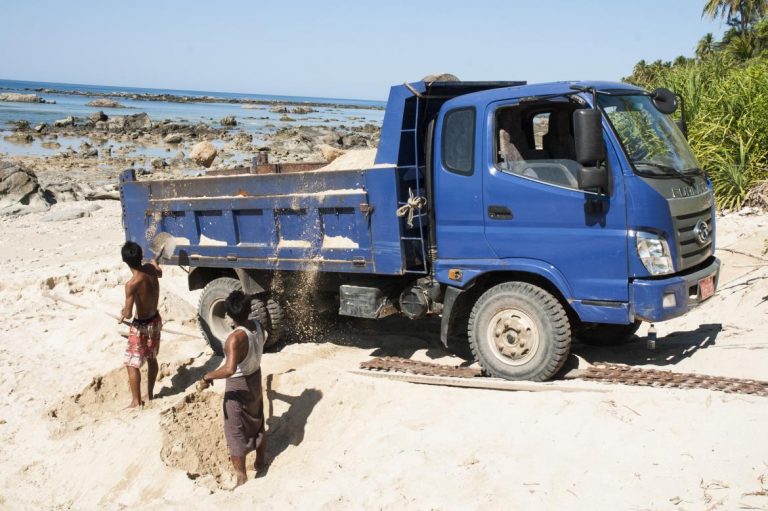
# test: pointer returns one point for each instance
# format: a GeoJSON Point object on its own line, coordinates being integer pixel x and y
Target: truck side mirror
{"type": "Point", "coordinates": [594, 179]}
{"type": "Point", "coordinates": [664, 100]}
{"type": "Point", "coordinates": [588, 136]}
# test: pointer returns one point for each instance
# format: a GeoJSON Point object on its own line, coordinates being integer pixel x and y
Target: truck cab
{"type": "Point", "coordinates": [586, 191]}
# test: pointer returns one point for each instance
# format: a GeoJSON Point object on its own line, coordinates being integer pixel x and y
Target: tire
{"type": "Point", "coordinates": [216, 327]}
{"type": "Point", "coordinates": [275, 313]}
{"type": "Point", "coordinates": [602, 334]}
{"type": "Point", "coordinates": [497, 320]}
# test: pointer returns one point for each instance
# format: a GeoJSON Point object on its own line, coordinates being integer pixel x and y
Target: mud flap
{"type": "Point", "coordinates": [448, 323]}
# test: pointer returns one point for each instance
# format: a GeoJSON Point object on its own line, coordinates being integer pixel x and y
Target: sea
{"type": "Point", "coordinates": [255, 119]}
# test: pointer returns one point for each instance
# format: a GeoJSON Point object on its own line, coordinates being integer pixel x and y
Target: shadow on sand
{"type": "Point", "coordinates": [186, 376]}
{"type": "Point", "coordinates": [288, 428]}
{"type": "Point", "coordinates": [670, 349]}
{"type": "Point", "coordinates": [389, 337]}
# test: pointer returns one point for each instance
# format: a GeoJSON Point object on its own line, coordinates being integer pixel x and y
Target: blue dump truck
{"type": "Point", "coordinates": [522, 215]}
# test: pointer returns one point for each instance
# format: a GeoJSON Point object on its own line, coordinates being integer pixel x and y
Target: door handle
{"type": "Point", "coordinates": [499, 213]}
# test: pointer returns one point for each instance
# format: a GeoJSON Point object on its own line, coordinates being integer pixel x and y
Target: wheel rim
{"type": "Point", "coordinates": [513, 337]}
{"type": "Point", "coordinates": [218, 322]}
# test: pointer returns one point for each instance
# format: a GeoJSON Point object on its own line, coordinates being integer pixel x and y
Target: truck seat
{"type": "Point", "coordinates": [507, 150]}
{"type": "Point", "coordinates": [559, 141]}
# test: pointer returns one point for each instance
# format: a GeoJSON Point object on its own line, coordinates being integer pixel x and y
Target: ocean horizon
{"type": "Point", "coordinates": [13, 85]}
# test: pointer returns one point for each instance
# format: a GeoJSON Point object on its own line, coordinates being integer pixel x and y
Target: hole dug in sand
{"type": "Point", "coordinates": [193, 440]}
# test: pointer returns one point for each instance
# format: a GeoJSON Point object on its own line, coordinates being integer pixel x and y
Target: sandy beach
{"type": "Point", "coordinates": [342, 441]}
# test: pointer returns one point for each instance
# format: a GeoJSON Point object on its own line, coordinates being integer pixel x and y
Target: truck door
{"type": "Point", "coordinates": [533, 209]}
{"type": "Point", "coordinates": [459, 205]}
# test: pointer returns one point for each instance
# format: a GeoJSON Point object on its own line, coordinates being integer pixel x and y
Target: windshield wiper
{"type": "Point", "coordinates": [695, 170]}
{"type": "Point", "coordinates": [687, 179]}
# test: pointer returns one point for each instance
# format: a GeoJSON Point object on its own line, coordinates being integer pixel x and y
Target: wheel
{"type": "Point", "coordinates": [518, 331]}
{"type": "Point", "coordinates": [275, 312]}
{"type": "Point", "coordinates": [602, 334]}
{"type": "Point", "coordinates": [211, 312]}
{"type": "Point", "coordinates": [216, 326]}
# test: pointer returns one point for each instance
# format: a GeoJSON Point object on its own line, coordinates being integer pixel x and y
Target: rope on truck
{"type": "Point", "coordinates": [409, 209]}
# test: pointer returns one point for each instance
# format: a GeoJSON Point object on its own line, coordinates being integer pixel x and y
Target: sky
{"type": "Point", "coordinates": [335, 48]}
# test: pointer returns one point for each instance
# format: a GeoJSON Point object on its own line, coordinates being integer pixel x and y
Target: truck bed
{"type": "Point", "coordinates": [341, 221]}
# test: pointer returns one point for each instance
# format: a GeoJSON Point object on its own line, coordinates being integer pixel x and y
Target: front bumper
{"type": "Point", "coordinates": [647, 296]}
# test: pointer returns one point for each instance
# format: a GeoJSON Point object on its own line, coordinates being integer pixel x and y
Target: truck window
{"type": "Point", "coordinates": [459, 141]}
{"type": "Point", "coordinates": [540, 128]}
{"type": "Point", "coordinates": [535, 141]}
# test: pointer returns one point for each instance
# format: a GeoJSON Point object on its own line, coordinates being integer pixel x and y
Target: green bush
{"type": "Point", "coordinates": [726, 102]}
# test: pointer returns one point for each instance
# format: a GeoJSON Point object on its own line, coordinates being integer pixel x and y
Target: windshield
{"type": "Point", "coordinates": [653, 142]}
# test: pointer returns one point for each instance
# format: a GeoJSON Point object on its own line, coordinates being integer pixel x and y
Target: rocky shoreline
{"type": "Point", "coordinates": [88, 154]}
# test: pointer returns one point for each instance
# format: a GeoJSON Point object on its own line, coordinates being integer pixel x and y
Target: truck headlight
{"type": "Point", "coordinates": [654, 253]}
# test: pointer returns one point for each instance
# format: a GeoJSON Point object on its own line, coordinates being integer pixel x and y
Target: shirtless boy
{"type": "Point", "coordinates": [143, 291]}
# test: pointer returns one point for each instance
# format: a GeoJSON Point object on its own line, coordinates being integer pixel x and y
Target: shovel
{"type": "Point", "coordinates": [81, 305]}
{"type": "Point", "coordinates": [163, 244]}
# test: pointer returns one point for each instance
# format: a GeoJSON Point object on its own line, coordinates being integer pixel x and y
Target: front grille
{"type": "Point", "coordinates": [689, 251]}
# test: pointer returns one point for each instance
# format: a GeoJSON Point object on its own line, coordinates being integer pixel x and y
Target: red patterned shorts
{"type": "Point", "coordinates": [143, 341]}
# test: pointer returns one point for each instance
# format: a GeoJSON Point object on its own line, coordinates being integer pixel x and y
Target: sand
{"type": "Point", "coordinates": [343, 441]}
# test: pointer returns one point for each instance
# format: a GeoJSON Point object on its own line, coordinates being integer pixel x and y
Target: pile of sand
{"type": "Point", "coordinates": [193, 439]}
{"type": "Point", "coordinates": [353, 160]}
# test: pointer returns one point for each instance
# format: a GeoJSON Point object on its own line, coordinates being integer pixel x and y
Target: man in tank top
{"type": "Point", "coordinates": [243, 402]}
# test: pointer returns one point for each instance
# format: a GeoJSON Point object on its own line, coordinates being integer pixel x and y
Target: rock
{"type": "Point", "coordinates": [141, 171]}
{"type": "Point", "coordinates": [441, 77]}
{"type": "Point", "coordinates": [107, 192]}
{"type": "Point", "coordinates": [101, 125]}
{"type": "Point", "coordinates": [104, 103]}
{"type": "Point", "coordinates": [63, 191]}
{"type": "Point", "coordinates": [203, 153]}
{"type": "Point", "coordinates": [302, 110]}
{"type": "Point", "coordinates": [21, 125]}
{"type": "Point", "coordinates": [126, 123]}
{"type": "Point", "coordinates": [242, 140]}
{"type": "Point", "coordinates": [21, 98]}
{"type": "Point", "coordinates": [62, 123]}
{"type": "Point", "coordinates": [41, 128]}
{"type": "Point", "coordinates": [20, 191]}
{"type": "Point", "coordinates": [19, 138]}
{"type": "Point", "coordinates": [279, 109]}
{"type": "Point", "coordinates": [158, 163]}
{"type": "Point", "coordinates": [228, 121]}
{"type": "Point", "coordinates": [180, 155]}
{"type": "Point", "coordinates": [97, 116]}
{"type": "Point", "coordinates": [329, 152]}
{"type": "Point", "coordinates": [173, 138]}
{"type": "Point", "coordinates": [354, 140]}
{"type": "Point", "coordinates": [65, 212]}
{"type": "Point", "coordinates": [50, 144]}
{"type": "Point", "coordinates": [285, 118]}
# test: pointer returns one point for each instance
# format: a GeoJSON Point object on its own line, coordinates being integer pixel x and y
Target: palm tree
{"type": "Point", "coordinates": [741, 47]}
{"type": "Point", "coordinates": [737, 13]}
{"type": "Point", "coordinates": [706, 46]}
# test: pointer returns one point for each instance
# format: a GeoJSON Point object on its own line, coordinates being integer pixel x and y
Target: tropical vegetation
{"type": "Point", "coordinates": [725, 92]}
